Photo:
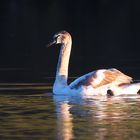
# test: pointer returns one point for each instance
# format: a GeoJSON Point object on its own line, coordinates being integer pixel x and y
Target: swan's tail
{"type": "Point", "coordinates": [133, 88]}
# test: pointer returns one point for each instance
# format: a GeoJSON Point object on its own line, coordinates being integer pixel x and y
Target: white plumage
{"type": "Point", "coordinates": [98, 82]}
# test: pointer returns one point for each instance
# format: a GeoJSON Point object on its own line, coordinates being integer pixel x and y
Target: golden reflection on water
{"type": "Point", "coordinates": [103, 119]}
{"type": "Point", "coordinates": [64, 121]}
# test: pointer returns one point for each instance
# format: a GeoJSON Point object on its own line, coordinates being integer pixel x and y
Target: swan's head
{"type": "Point", "coordinates": [61, 37]}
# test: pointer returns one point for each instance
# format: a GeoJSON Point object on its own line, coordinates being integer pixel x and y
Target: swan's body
{"type": "Point", "coordinates": [98, 82]}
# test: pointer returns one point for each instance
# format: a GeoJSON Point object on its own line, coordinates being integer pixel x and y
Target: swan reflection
{"type": "Point", "coordinates": [64, 118]}
{"type": "Point", "coordinates": [91, 117]}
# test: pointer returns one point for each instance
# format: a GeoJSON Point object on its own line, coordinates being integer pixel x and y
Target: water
{"type": "Point", "coordinates": [30, 111]}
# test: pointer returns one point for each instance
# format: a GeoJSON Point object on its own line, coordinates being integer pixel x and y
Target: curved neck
{"type": "Point", "coordinates": [62, 66]}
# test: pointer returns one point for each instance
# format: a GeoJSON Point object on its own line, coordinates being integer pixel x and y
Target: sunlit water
{"type": "Point", "coordinates": [30, 111]}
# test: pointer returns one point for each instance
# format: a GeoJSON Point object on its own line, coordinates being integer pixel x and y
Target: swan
{"type": "Point", "coordinates": [98, 82]}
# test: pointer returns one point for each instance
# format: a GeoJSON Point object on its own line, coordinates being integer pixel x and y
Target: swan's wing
{"type": "Point", "coordinates": [83, 80]}
{"type": "Point", "coordinates": [115, 77]}
{"type": "Point", "coordinates": [102, 77]}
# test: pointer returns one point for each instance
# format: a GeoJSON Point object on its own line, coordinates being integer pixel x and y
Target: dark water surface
{"type": "Point", "coordinates": [30, 111]}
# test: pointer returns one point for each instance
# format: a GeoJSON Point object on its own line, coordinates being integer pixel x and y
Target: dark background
{"type": "Point", "coordinates": [105, 34]}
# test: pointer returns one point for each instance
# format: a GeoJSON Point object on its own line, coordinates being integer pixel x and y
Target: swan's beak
{"type": "Point", "coordinates": [51, 43]}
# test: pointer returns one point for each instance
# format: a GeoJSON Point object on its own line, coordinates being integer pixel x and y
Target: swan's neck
{"type": "Point", "coordinates": [62, 66]}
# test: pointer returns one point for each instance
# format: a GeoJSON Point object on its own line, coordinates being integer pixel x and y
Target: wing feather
{"type": "Point", "coordinates": [114, 76]}
{"type": "Point", "coordinates": [102, 77]}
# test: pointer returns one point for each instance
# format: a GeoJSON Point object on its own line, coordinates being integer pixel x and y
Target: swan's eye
{"type": "Point", "coordinates": [57, 37]}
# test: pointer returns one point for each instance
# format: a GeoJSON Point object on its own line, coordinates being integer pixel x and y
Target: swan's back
{"type": "Point", "coordinates": [100, 78]}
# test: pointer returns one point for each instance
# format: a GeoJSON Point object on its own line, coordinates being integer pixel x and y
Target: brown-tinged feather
{"type": "Point", "coordinates": [111, 76]}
